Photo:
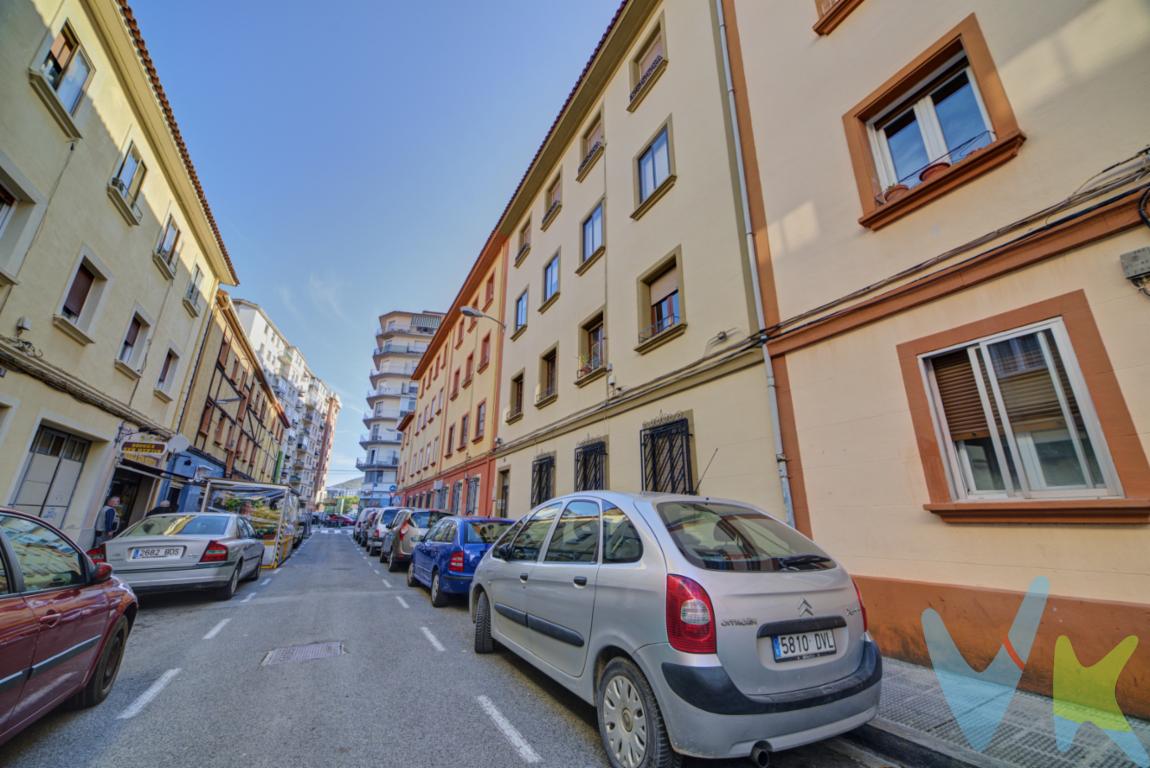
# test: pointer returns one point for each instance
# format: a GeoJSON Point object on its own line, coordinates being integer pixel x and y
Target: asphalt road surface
{"type": "Point", "coordinates": [195, 689]}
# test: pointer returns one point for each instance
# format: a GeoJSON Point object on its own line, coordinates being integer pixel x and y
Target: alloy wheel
{"type": "Point", "coordinates": [626, 721]}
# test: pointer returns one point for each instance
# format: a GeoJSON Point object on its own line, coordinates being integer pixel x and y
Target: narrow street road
{"type": "Point", "coordinates": [196, 688]}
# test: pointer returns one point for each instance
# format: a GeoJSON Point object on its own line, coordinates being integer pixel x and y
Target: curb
{"type": "Point", "coordinates": [917, 748]}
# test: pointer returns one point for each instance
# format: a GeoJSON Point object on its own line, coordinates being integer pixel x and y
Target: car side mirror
{"type": "Point", "coordinates": [102, 573]}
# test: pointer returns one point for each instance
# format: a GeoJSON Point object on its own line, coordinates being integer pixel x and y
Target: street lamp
{"type": "Point", "coordinates": [475, 313]}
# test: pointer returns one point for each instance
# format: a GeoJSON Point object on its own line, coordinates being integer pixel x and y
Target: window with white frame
{"type": "Point", "coordinates": [168, 371]}
{"type": "Point", "coordinates": [130, 175]}
{"type": "Point", "coordinates": [67, 69]}
{"type": "Point", "coordinates": [83, 294]}
{"type": "Point", "coordinates": [1015, 419]}
{"type": "Point", "coordinates": [169, 242]}
{"type": "Point", "coordinates": [551, 279]}
{"type": "Point", "coordinates": [7, 206]}
{"type": "Point", "coordinates": [193, 295]}
{"type": "Point", "coordinates": [131, 349]}
{"type": "Point", "coordinates": [654, 166]}
{"type": "Point", "coordinates": [593, 232]}
{"type": "Point", "coordinates": [943, 122]}
{"type": "Point", "coordinates": [521, 311]}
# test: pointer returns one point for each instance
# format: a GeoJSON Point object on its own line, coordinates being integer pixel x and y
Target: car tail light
{"type": "Point", "coordinates": [402, 530]}
{"type": "Point", "coordinates": [98, 554]}
{"type": "Point", "coordinates": [690, 617]}
{"type": "Point", "coordinates": [862, 606]}
{"type": "Point", "coordinates": [215, 552]}
{"type": "Point", "coordinates": [455, 565]}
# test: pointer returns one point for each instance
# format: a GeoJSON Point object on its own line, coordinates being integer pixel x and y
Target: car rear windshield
{"type": "Point", "coordinates": [484, 533]}
{"type": "Point", "coordinates": [426, 518]}
{"type": "Point", "coordinates": [179, 525]}
{"type": "Point", "coordinates": [388, 516]}
{"type": "Point", "coordinates": [725, 537]}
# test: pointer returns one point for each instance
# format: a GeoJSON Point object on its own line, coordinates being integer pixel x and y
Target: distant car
{"type": "Point", "coordinates": [302, 530]}
{"type": "Point", "coordinates": [339, 521]}
{"type": "Point", "coordinates": [444, 560]}
{"type": "Point", "coordinates": [64, 623]}
{"type": "Point", "coordinates": [693, 625]}
{"type": "Point", "coordinates": [378, 527]}
{"type": "Point", "coordinates": [397, 542]}
{"type": "Point", "coordinates": [359, 530]}
{"type": "Point", "coordinates": [211, 551]}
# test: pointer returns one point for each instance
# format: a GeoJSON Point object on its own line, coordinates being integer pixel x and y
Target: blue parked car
{"type": "Point", "coordinates": [445, 559]}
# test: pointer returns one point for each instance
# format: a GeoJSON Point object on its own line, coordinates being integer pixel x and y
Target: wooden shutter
{"type": "Point", "coordinates": [133, 332]}
{"type": "Point", "coordinates": [78, 293]}
{"type": "Point", "coordinates": [63, 47]}
{"type": "Point", "coordinates": [961, 403]}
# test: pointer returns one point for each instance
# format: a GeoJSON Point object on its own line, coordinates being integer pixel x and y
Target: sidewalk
{"type": "Point", "coordinates": [915, 723]}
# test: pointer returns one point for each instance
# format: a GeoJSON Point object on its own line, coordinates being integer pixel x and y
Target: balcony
{"type": "Point", "coordinates": [380, 438]}
{"type": "Point", "coordinates": [398, 348]}
{"type": "Point", "coordinates": [425, 327]}
{"type": "Point", "coordinates": [389, 461]}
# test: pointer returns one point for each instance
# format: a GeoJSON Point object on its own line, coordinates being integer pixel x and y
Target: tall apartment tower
{"type": "Point", "coordinates": [311, 406]}
{"type": "Point", "coordinates": [399, 343]}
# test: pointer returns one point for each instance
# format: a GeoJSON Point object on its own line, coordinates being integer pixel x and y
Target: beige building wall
{"type": "Point", "coordinates": [59, 167]}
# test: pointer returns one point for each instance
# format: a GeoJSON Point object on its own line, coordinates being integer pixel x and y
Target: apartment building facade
{"type": "Point", "coordinates": [311, 406]}
{"type": "Point", "coordinates": [954, 244]}
{"type": "Point", "coordinates": [108, 250]}
{"type": "Point", "coordinates": [233, 422]}
{"type": "Point", "coordinates": [446, 457]}
{"type": "Point", "coordinates": [400, 342]}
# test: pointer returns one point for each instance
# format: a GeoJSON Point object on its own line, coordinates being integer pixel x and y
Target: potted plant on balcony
{"type": "Point", "coordinates": [894, 192]}
{"type": "Point", "coordinates": [934, 170]}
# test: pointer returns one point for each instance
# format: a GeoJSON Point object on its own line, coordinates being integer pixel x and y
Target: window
{"type": "Point", "coordinates": [489, 292]}
{"type": "Point", "coordinates": [516, 395]}
{"type": "Point", "coordinates": [831, 13]}
{"type": "Point", "coordinates": [521, 312]}
{"type": "Point", "coordinates": [593, 233]}
{"type": "Point", "coordinates": [503, 492]}
{"type": "Point", "coordinates": [591, 466]}
{"type": "Point", "coordinates": [193, 295]}
{"type": "Point", "coordinates": [78, 293]}
{"type": "Point", "coordinates": [46, 560]}
{"type": "Point", "coordinates": [463, 431]}
{"type": "Point", "coordinates": [548, 375]}
{"type": "Point", "coordinates": [647, 65]}
{"type": "Point", "coordinates": [942, 121]}
{"type": "Point", "coordinates": [459, 333]}
{"type": "Point", "coordinates": [663, 299]}
{"type": "Point", "coordinates": [450, 439]}
{"type": "Point", "coordinates": [621, 542]}
{"type": "Point", "coordinates": [456, 492]}
{"type": "Point", "coordinates": [1016, 420]}
{"type": "Point", "coordinates": [576, 536]}
{"type": "Point", "coordinates": [524, 241]}
{"type": "Point", "coordinates": [654, 166]}
{"type": "Point", "coordinates": [542, 479]}
{"type": "Point", "coordinates": [472, 496]}
{"type": "Point", "coordinates": [168, 371]}
{"type": "Point", "coordinates": [550, 280]}
{"type": "Point", "coordinates": [7, 206]}
{"type": "Point", "coordinates": [169, 241]}
{"type": "Point", "coordinates": [666, 457]}
{"type": "Point", "coordinates": [474, 320]}
{"type": "Point", "coordinates": [455, 384]}
{"type": "Point", "coordinates": [531, 536]}
{"type": "Point", "coordinates": [480, 420]}
{"type": "Point", "coordinates": [132, 347]}
{"type": "Point", "coordinates": [130, 175]}
{"type": "Point", "coordinates": [553, 201]}
{"type": "Point", "coordinates": [939, 128]}
{"type": "Point", "coordinates": [468, 369]}
{"type": "Point", "coordinates": [592, 145]}
{"type": "Point", "coordinates": [67, 69]}
{"type": "Point", "coordinates": [592, 355]}
{"type": "Point", "coordinates": [485, 352]}
{"type": "Point", "coordinates": [50, 476]}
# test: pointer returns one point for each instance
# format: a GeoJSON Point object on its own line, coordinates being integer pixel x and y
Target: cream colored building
{"type": "Point", "coordinates": [633, 359]}
{"type": "Point", "coordinates": [965, 360]}
{"type": "Point", "coordinates": [108, 257]}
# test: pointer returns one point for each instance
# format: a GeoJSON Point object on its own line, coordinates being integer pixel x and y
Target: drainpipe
{"type": "Point", "coordinates": [752, 258]}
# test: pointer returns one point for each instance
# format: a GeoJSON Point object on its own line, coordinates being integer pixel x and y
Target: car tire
{"type": "Point", "coordinates": [228, 591]}
{"type": "Point", "coordinates": [438, 597]}
{"type": "Point", "coordinates": [484, 642]}
{"type": "Point", "coordinates": [382, 554]}
{"type": "Point", "coordinates": [411, 580]}
{"type": "Point", "coordinates": [107, 667]}
{"type": "Point", "coordinates": [255, 572]}
{"type": "Point", "coordinates": [629, 719]}
{"type": "Point", "coordinates": [393, 564]}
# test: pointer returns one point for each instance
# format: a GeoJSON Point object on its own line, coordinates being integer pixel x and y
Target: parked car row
{"type": "Point", "coordinates": [694, 626]}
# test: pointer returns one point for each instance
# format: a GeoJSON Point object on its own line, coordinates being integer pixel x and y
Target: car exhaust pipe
{"type": "Point", "coordinates": [761, 755]}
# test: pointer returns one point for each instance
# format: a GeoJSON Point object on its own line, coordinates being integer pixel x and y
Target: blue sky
{"type": "Point", "coordinates": [344, 146]}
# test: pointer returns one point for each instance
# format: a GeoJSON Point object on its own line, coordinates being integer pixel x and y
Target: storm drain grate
{"type": "Point", "coordinates": [296, 653]}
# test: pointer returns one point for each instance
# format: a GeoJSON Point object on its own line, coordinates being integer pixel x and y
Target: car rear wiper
{"type": "Point", "coordinates": [797, 562]}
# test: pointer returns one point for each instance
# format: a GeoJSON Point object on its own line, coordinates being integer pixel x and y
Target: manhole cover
{"type": "Point", "coordinates": [309, 652]}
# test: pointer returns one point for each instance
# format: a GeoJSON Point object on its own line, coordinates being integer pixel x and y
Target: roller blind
{"type": "Point", "coordinates": [954, 376]}
{"type": "Point", "coordinates": [664, 285]}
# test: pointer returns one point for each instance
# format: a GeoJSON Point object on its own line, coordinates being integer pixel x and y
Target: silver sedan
{"type": "Point", "coordinates": [185, 552]}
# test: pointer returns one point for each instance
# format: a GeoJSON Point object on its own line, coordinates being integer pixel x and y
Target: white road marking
{"type": "Point", "coordinates": [375, 571]}
{"type": "Point", "coordinates": [216, 629]}
{"type": "Point", "coordinates": [401, 601]}
{"type": "Point", "coordinates": [524, 749]}
{"type": "Point", "coordinates": [277, 570]}
{"type": "Point", "coordinates": [249, 597]}
{"type": "Point", "coordinates": [386, 583]}
{"type": "Point", "coordinates": [145, 698]}
{"type": "Point", "coordinates": [432, 639]}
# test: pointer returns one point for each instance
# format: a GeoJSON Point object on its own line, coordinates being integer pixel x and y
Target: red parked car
{"type": "Point", "coordinates": [64, 622]}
